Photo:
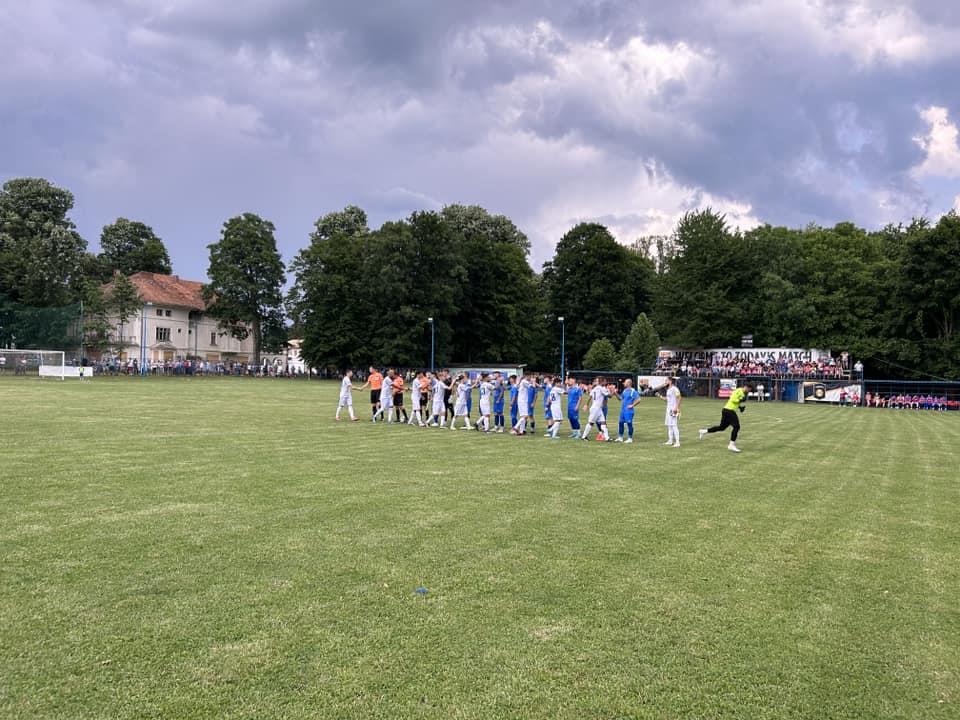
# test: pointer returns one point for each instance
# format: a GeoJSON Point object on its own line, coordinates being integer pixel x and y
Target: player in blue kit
{"type": "Point", "coordinates": [574, 397]}
{"type": "Point", "coordinates": [470, 401]}
{"type": "Point", "coordinates": [514, 393]}
{"type": "Point", "coordinates": [499, 393]}
{"type": "Point", "coordinates": [532, 403]}
{"type": "Point", "coordinates": [547, 384]}
{"type": "Point", "coordinates": [629, 399]}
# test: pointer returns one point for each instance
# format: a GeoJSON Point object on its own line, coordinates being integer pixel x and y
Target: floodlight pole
{"type": "Point", "coordinates": [563, 349]}
{"type": "Point", "coordinates": [81, 336]}
{"type": "Point", "coordinates": [430, 320]}
{"type": "Point", "coordinates": [143, 338]}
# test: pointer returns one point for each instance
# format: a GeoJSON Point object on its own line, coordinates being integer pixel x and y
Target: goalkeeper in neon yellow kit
{"type": "Point", "coordinates": [728, 416]}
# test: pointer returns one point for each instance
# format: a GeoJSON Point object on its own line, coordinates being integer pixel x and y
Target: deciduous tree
{"type": "Point", "coordinates": [246, 275]}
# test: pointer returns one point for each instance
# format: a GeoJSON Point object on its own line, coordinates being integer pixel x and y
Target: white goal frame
{"type": "Point", "coordinates": [47, 363]}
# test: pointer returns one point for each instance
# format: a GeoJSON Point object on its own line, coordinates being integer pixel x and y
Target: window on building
{"type": "Point", "coordinates": [167, 312]}
{"type": "Point", "coordinates": [159, 312]}
{"type": "Point", "coordinates": [213, 338]}
{"type": "Point", "coordinates": [163, 334]}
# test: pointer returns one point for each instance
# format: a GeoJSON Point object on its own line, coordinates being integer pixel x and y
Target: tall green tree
{"type": "Point", "coordinates": [307, 268]}
{"type": "Point", "coordinates": [639, 349]}
{"type": "Point", "coordinates": [600, 356]}
{"type": "Point", "coordinates": [421, 275]}
{"type": "Point", "coordinates": [42, 255]}
{"type": "Point", "coordinates": [331, 300]}
{"type": "Point", "coordinates": [123, 303]}
{"type": "Point", "coordinates": [500, 318]}
{"type": "Point", "coordinates": [597, 285]}
{"type": "Point", "coordinates": [96, 321]}
{"type": "Point", "coordinates": [246, 276]}
{"type": "Point", "coordinates": [349, 222]}
{"type": "Point", "coordinates": [129, 247]}
{"type": "Point", "coordinates": [334, 302]}
{"type": "Point", "coordinates": [700, 293]}
{"type": "Point", "coordinates": [930, 278]}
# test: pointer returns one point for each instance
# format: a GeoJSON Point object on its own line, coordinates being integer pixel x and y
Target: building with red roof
{"type": "Point", "coordinates": [173, 324]}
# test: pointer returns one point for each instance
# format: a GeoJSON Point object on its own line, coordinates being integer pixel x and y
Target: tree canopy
{"type": "Point", "coordinates": [890, 297]}
{"type": "Point", "coordinates": [129, 246]}
{"type": "Point", "coordinates": [246, 277]}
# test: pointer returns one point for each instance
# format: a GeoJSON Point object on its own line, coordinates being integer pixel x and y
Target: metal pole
{"type": "Point", "coordinates": [430, 320]}
{"type": "Point", "coordinates": [81, 334]}
{"type": "Point", "coordinates": [563, 348]}
{"type": "Point", "coordinates": [143, 338]}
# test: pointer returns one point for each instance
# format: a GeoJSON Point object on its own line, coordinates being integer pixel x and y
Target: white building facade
{"type": "Point", "coordinates": [172, 324]}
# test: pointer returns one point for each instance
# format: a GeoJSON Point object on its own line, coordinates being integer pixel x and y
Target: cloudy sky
{"type": "Point", "coordinates": [181, 113]}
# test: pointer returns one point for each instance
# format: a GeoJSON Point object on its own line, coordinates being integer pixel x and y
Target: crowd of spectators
{"type": "Point", "coordinates": [901, 401]}
{"type": "Point", "coordinates": [824, 368]}
{"type": "Point", "coordinates": [200, 368]}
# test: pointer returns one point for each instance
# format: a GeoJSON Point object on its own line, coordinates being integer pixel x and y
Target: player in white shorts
{"type": "Point", "coordinates": [416, 399]}
{"type": "Point", "coordinates": [672, 398]}
{"type": "Point", "coordinates": [555, 393]}
{"type": "Point", "coordinates": [486, 393]}
{"type": "Point", "coordinates": [438, 406]}
{"type": "Point", "coordinates": [346, 395]}
{"type": "Point", "coordinates": [598, 393]}
{"type": "Point", "coordinates": [386, 398]}
{"type": "Point", "coordinates": [523, 405]}
{"type": "Point", "coordinates": [463, 388]}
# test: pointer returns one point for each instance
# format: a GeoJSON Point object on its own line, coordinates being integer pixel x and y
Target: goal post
{"type": "Point", "coordinates": [45, 363]}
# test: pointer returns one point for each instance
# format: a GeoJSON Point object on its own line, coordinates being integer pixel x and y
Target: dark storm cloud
{"type": "Point", "coordinates": [182, 113]}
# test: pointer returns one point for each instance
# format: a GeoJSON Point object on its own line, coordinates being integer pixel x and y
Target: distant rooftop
{"type": "Point", "coordinates": [169, 290]}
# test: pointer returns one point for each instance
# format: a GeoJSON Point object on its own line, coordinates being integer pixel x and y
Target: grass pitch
{"type": "Point", "coordinates": [206, 548]}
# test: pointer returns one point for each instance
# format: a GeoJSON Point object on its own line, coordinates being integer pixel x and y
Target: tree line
{"type": "Point", "coordinates": [360, 296]}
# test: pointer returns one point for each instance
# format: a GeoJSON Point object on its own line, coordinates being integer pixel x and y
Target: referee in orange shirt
{"type": "Point", "coordinates": [374, 382]}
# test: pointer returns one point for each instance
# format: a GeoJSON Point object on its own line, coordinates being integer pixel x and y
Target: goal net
{"type": "Point", "coordinates": [46, 363]}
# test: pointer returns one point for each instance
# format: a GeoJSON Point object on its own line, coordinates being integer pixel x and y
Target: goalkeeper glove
{"type": "Point", "coordinates": [743, 408]}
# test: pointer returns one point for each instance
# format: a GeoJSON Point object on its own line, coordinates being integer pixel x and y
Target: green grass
{"type": "Point", "coordinates": [222, 549]}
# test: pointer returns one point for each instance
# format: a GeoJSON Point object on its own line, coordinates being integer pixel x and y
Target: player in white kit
{"type": "Point", "coordinates": [386, 398]}
{"type": "Point", "coordinates": [438, 406]}
{"type": "Point", "coordinates": [486, 393]}
{"type": "Point", "coordinates": [346, 395]}
{"type": "Point", "coordinates": [416, 400]}
{"type": "Point", "coordinates": [555, 393]}
{"type": "Point", "coordinates": [598, 393]}
{"type": "Point", "coordinates": [523, 406]}
{"type": "Point", "coordinates": [672, 398]}
{"type": "Point", "coordinates": [463, 388]}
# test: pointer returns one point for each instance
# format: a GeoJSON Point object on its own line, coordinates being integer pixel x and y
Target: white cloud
{"type": "Point", "coordinates": [645, 202]}
{"type": "Point", "coordinates": [940, 143]}
{"type": "Point", "coordinates": [870, 32]}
